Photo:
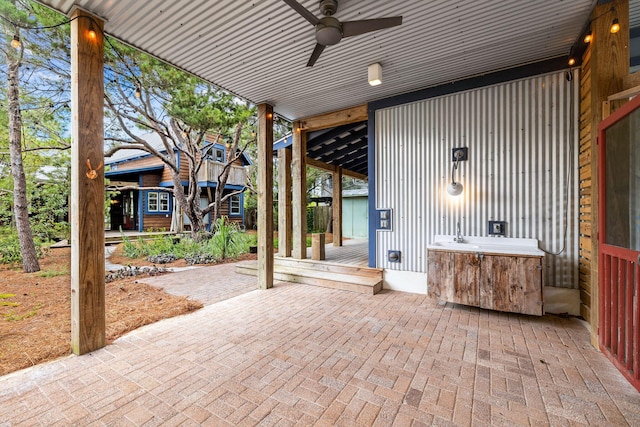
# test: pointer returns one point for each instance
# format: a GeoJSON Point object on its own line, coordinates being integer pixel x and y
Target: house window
{"type": "Point", "coordinates": [218, 154]}
{"type": "Point", "coordinates": [157, 202]}
{"type": "Point", "coordinates": [234, 205]}
{"type": "Point", "coordinates": [164, 202]}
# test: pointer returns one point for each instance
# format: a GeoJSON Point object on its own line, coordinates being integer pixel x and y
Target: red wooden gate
{"type": "Point", "coordinates": [619, 239]}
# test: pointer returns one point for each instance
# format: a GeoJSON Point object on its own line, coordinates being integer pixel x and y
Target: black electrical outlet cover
{"type": "Point", "coordinates": [497, 228]}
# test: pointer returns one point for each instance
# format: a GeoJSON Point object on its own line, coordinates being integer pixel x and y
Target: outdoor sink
{"type": "Point", "coordinates": [454, 246]}
{"type": "Point", "coordinates": [487, 245]}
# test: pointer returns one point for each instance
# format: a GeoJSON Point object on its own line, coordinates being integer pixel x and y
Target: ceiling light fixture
{"type": "Point", "coordinates": [571, 62]}
{"type": "Point", "coordinates": [375, 74]}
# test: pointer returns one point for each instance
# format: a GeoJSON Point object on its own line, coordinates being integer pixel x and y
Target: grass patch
{"type": "Point", "coordinates": [53, 273]}
{"type": "Point", "coordinates": [12, 317]}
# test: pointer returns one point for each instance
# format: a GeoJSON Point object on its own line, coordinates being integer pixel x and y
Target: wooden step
{"type": "Point", "coordinates": [329, 267]}
{"type": "Point", "coordinates": [358, 281]}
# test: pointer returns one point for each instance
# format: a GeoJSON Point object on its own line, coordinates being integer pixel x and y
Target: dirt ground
{"type": "Point", "coordinates": [39, 327]}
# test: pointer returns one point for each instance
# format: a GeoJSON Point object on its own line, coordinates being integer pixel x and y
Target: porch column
{"type": "Point", "coordinates": [285, 221]}
{"type": "Point", "coordinates": [299, 196]}
{"type": "Point", "coordinates": [609, 63]}
{"type": "Point", "coordinates": [265, 196]}
{"type": "Point", "coordinates": [337, 206]}
{"type": "Point", "coordinates": [87, 184]}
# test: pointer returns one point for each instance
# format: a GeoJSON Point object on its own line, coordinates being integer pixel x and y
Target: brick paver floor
{"type": "Point", "coordinates": [304, 355]}
{"type": "Point", "coordinates": [208, 285]}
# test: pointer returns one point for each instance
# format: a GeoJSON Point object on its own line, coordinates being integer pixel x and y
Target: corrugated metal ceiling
{"type": "Point", "coordinates": [634, 14]}
{"type": "Point", "coordinates": [259, 49]}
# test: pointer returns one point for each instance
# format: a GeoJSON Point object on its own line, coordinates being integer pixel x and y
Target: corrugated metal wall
{"type": "Point", "coordinates": [522, 169]}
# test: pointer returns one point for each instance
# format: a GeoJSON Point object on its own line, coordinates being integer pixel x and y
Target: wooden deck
{"type": "Point", "coordinates": [352, 252]}
{"type": "Point", "coordinates": [344, 268]}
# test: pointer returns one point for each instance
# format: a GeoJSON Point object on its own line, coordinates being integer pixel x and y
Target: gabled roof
{"type": "Point", "coordinates": [156, 142]}
{"type": "Point", "coordinates": [122, 155]}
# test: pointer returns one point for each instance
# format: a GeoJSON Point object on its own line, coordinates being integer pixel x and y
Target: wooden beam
{"type": "Point", "coordinates": [299, 193]}
{"type": "Point", "coordinates": [625, 94]}
{"type": "Point", "coordinates": [332, 168]}
{"type": "Point", "coordinates": [87, 184]}
{"type": "Point", "coordinates": [631, 80]}
{"type": "Point", "coordinates": [265, 196]}
{"type": "Point", "coordinates": [336, 205]}
{"type": "Point", "coordinates": [285, 212]}
{"type": "Point", "coordinates": [609, 65]}
{"type": "Point", "coordinates": [333, 119]}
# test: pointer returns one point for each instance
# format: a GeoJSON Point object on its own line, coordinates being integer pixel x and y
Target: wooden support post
{"type": "Point", "coordinates": [299, 195]}
{"type": "Point", "coordinates": [317, 246]}
{"type": "Point", "coordinates": [337, 207]}
{"type": "Point", "coordinates": [265, 196]}
{"type": "Point", "coordinates": [609, 66]}
{"type": "Point", "coordinates": [87, 184]}
{"type": "Point", "coordinates": [285, 212]}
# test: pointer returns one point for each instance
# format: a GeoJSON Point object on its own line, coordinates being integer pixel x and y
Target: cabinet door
{"type": "Point", "coordinates": [440, 275]}
{"type": "Point", "coordinates": [530, 275]}
{"type": "Point", "coordinates": [465, 278]}
{"type": "Point", "coordinates": [510, 283]}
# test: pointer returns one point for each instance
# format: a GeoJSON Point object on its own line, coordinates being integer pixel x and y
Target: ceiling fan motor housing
{"type": "Point", "coordinates": [328, 31]}
{"type": "Point", "coordinates": [328, 7]}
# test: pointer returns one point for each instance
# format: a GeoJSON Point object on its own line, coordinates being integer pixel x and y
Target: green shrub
{"type": "Point", "coordinates": [130, 249]}
{"type": "Point", "coordinates": [225, 238]}
{"type": "Point", "coordinates": [225, 241]}
{"type": "Point", "coordinates": [10, 249]}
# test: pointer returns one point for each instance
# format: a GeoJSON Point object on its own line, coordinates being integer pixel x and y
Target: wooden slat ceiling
{"type": "Point", "coordinates": [344, 146]}
{"type": "Point", "coordinates": [259, 49]}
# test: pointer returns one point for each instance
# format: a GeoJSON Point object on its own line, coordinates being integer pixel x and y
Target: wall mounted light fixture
{"type": "Point", "coordinates": [455, 188]}
{"type": "Point", "coordinates": [375, 74]}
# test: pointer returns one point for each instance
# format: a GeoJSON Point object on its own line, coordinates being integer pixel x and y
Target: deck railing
{"type": "Point", "coordinates": [210, 171]}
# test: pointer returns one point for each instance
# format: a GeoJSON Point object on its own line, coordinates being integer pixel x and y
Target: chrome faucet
{"type": "Point", "coordinates": [458, 238]}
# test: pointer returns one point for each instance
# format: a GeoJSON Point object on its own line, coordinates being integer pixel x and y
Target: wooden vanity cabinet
{"type": "Point", "coordinates": [510, 283]}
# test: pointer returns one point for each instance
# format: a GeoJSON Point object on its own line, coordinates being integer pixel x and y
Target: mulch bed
{"type": "Point", "coordinates": [39, 328]}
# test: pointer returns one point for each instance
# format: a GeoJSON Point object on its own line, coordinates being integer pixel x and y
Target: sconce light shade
{"type": "Point", "coordinates": [15, 43]}
{"type": "Point", "coordinates": [588, 37]}
{"type": "Point", "coordinates": [454, 189]}
{"type": "Point", "coordinates": [375, 74]}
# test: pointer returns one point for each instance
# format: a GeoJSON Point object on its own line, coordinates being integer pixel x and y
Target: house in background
{"type": "Point", "coordinates": [145, 204]}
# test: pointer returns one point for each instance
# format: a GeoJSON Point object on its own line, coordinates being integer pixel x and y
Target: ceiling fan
{"type": "Point", "coordinates": [330, 30]}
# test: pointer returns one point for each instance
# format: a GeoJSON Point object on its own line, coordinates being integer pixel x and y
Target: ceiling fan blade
{"type": "Point", "coordinates": [302, 11]}
{"type": "Point", "coordinates": [355, 28]}
{"type": "Point", "coordinates": [316, 54]}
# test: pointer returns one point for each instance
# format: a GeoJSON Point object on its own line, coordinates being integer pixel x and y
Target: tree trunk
{"type": "Point", "coordinates": [224, 176]}
{"type": "Point", "coordinates": [190, 204]}
{"type": "Point", "coordinates": [20, 204]}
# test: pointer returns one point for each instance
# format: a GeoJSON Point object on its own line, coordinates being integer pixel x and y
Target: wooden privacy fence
{"type": "Point", "coordinates": [318, 218]}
